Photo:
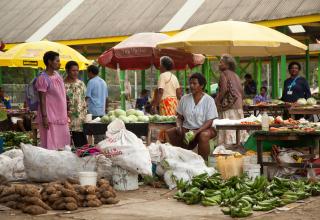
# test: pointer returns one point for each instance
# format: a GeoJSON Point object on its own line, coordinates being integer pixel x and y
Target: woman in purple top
{"type": "Point", "coordinates": [263, 97]}
{"type": "Point", "coordinates": [52, 113]}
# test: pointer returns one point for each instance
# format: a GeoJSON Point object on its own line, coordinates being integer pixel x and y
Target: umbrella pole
{"type": "Point", "coordinates": [185, 76]}
{"type": "Point", "coordinates": [259, 74]}
{"type": "Point", "coordinates": [103, 73]}
{"type": "Point", "coordinates": [135, 85]}
{"type": "Point", "coordinates": [208, 77]}
{"type": "Point", "coordinates": [307, 62]}
{"type": "Point", "coordinates": [143, 79]}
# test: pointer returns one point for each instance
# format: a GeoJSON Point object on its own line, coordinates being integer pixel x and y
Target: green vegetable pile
{"type": "Point", "coordinates": [162, 119]}
{"type": "Point", "coordinates": [13, 139]}
{"type": "Point", "coordinates": [189, 137]}
{"type": "Point", "coordinates": [240, 196]}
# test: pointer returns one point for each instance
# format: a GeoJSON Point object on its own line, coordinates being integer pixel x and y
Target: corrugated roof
{"type": "Point", "coordinates": [104, 18]}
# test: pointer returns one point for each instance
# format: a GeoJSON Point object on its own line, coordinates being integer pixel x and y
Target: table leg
{"type": "Point", "coordinates": [238, 137]}
{"type": "Point", "coordinates": [259, 154]}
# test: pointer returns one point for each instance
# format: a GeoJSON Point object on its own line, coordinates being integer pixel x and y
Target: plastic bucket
{"type": "Point", "coordinates": [123, 180]}
{"type": "Point", "coordinates": [252, 170]}
{"type": "Point", "coordinates": [88, 178]}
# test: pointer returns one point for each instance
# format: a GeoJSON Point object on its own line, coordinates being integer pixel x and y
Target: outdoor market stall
{"type": "Point", "coordinates": [271, 109]}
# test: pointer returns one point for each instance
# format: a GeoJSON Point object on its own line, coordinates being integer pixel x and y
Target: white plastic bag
{"type": "Point", "coordinates": [12, 169]}
{"type": "Point", "coordinates": [6, 167]}
{"type": "Point", "coordinates": [126, 150]}
{"type": "Point", "coordinates": [42, 165]}
{"type": "Point", "coordinates": [13, 153]}
{"type": "Point", "coordinates": [177, 163]}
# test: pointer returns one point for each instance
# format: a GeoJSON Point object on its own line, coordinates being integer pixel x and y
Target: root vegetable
{"type": "Point", "coordinates": [53, 197]}
{"type": "Point", "coordinates": [73, 181]}
{"type": "Point", "coordinates": [69, 193]}
{"type": "Point", "coordinates": [34, 210]}
{"type": "Point", "coordinates": [106, 194]}
{"type": "Point", "coordinates": [91, 189]}
{"type": "Point", "coordinates": [51, 190]}
{"type": "Point", "coordinates": [81, 189]}
{"type": "Point", "coordinates": [35, 201]}
{"type": "Point", "coordinates": [8, 198]}
{"type": "Point", "coordinates": [68, 185]}
{"type": "Point", "coordinates": [30, 191]}
{"type": "Point", "coordinates": [71, 206]}
{"type": "Point", "coordinates": [44, 196]}
{"type": "Point", "coordinates": [94, 203]}
{"type": "Point", "coordinates": [109, 200]}
{"type": "Point", "coordinates": [70, 200]}
{"type": "Point", "coordinates": [8, 191]}
{"type": "Point", "coordinates": [91, 197]}
{"type": "Point", "coordinates": [11, 204]}
{"type": "Point", "coordinates": [103, 182]}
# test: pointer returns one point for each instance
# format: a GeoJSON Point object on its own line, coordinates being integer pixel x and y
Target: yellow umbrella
{"type": "Point", "coordinates": [236, 38]}
{"type": "Point", "coordinates": [31, 55]}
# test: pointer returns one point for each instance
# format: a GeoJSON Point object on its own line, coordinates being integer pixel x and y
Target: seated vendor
{"type": "Point", "coordinates": [4, 100]}
{"type": "Point", "coordinates": [143, 100]}
{"type": "Point", "coordinates": [196, 112]}
{"type": "Point", "coordinates": [262, 97]}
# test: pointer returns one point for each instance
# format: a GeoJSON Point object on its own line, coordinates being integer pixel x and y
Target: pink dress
{"type": "Point", "coordinates": [57, 136]}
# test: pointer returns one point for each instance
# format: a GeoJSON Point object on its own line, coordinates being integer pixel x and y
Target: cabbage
{"type": "Point", "coordinates": [132, 118]}
{"type": "Point", "coordinates": [311, 101]}
{"type": "Point", "coordinates": [139, 113]}
{"type": "Point", "coordinates": [111, 113]}
{"type": "Point", "coordinates": [105, 119]}
{"type": "Point", "coordinates": [124, 118]}
{"type": "Point", "coordinates": [248, 102]}
{"type": "Point", "coordinates": [302, 101]}
{"type": "Point", "coordinates": [112, 118]}
{"type": "Point", "coordinates": [188, 137]}
{"type": "Point", "coordinates": [120, 112]}
{"type": "Point", "coordinates": [131, 112]}
{"type": "Point", "coordinates": [143, 118]}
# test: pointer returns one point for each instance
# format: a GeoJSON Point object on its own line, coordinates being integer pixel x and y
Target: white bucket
{"type": "Point", "coordinates": [88, 118]}
{"type": "Point", "coordinates": [123, 180]}
{"type": "Point", "coordinates": [250, 159]}
{"type": "Point", "coordinates": [88, 178]}
{"type": "Point", "coordinates": [252, 170]}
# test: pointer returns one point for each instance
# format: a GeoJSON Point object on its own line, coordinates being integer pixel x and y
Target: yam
{"type": "Point", "coordinates": [91, 190]}
{"type": "Point", "coordinates": [70, 200]}
{"type": "Point", "coordinates": [71, 206]}
{"type": "Point", "coordinates": [34, 210]}
{"type": "Point", "coordinates": [8, 190]}
{"type": "Point", "coordinates": [21, 205]}
{"type": "Point", "coordinates": [109, 200]}
{"type": "Point", "coordinates": [103, 182]}
{"type": "Point", "coordinates": [73, 181]}
{"type": "Point", "coordinates": [58, 202]}
{"type": "Point", "coordinates": [30, 191]}
{"type": "Point", "coordinates": [98, 195]}
{"type": "Point", "coordinates": [69, 193]}
{"type": "Point", "coordinates": [94, 203]}
{"type": "Point", "coordinates": [81, 189]}
{"type": "Point", "coordinates": [106, 194]}
{"type": "Point", "coordinates": [104, 188]}
{"type": "Point", "coordinates": [11, 204]}
{"type": "Point", "coordinates": [91, 197]}
{"type": "Point", "coordinates": [81, 197]}
{"type": "Point", "coordinates": [44, 196]}
{"type": "Point", "coordinates": [51, 190]}
{"type": "Point", "coordinates": [59, 206]}
{"type": "Point", "coordinates": [85, 204]}
{"type": "Point", "coordinates": [68, 185]}
{"type": "Point", "coordinates": [35, 201]}
{"type": "Point", "coordinates": [8, 198]}
{"type": "Point", "coordinates": [53, 197]}
{"type": "Point", "coordinates": [19, 188]}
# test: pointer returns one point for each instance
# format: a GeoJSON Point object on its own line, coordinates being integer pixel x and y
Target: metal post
{"type": "Point", "coordinates": [259, 74]}
{"type": "Point", "coordinates": [135, 85]}
{"type": "Point", "coordinates": [255, 70]}
{"type": "Point", "coordinates": [143, 79]}
{"type": "Point", "coordinates": [319, 72]}
{"type": "Point", "coordinates": [122, 95]}
{"type": "Point", "coordinates": [178, 75]}
{"type": "Point", "coordinates": [283, 70]}
{"type": "Point", "coordinates": [1, 80]}
{"type": "Point", "coordinates": [208, 76]}
{"type": "Point", "coordinates": [274, 77]}
{"type": "Point", "coordinates": [307, 62]}
{"type": "Point", "coordinates": [185, 76]}
{"type": "Point", "coordinates": [103, 73]}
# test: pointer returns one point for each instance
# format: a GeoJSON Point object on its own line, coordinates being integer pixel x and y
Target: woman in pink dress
{"type": "Point", "coordinates": [52, 113]}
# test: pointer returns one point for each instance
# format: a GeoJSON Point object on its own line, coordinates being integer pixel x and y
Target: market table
{"type": "Point", "coordinates": [285, 136]}
{"type": "Point", "coordinates": [274, 110]}
{"type": "Point", "coordinates": [297, 110]}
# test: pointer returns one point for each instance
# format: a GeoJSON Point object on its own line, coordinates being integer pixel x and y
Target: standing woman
{"type": "Point", "coordinates": [52, 112]}
{"type": "Point", "coordinates": [229, 98]}
{"type": "Point", "coordinates": [76, 93]}
{"type": "Point", "coordinates": [169, 91]}
{"type": "Point", "coordinates": [296, 86]}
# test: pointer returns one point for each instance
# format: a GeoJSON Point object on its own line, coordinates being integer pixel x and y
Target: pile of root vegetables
{"type": "Point", "coordinates": [59, 195]}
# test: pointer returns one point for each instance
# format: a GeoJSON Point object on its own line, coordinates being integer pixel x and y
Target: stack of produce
{"type": "Point", "coordinates": [240, 196]}
{"type": "Point", "coordinates": [162, 119]}
{"type": "Point", "coordinates": [13, 139]}
{"type": "Point", "coordinates": [24, 197]}
{"type": "Point", "coordinates": [129, 116]}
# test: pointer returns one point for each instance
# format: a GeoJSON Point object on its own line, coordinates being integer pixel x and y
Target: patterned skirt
{"type": "Point", "coordinates": [168, 106]}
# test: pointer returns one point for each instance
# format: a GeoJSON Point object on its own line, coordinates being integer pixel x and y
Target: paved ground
{"type": "Point", "coordinates": [156, 204]}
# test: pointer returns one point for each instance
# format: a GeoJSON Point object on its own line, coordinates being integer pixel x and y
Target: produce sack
{"type": "Point", "coordinates": [177, 163]}
{"type": "Point", "coordinates": [13, 153]}
{"type": "Point", "coordinates": [42, 165]}
{"type": "Point", "coordinates": [12, 168]}
{"type": "Point", "coordinates": [125, 149]}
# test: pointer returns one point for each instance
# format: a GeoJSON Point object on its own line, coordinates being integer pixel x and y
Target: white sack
{"type": "Point", "coordinates": [126, 150]}
{"type": "Point", "coordinates": [13, 153]}
{"type": "Point", "coordinates": [12, 169]}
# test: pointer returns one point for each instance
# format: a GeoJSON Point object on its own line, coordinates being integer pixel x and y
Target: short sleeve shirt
{"type": "Point", "coordinates": [196, 115]}
{"type": "Point", "coordinates": [169, 83]}
{"type": "Point", "coordinates": [97, 93]}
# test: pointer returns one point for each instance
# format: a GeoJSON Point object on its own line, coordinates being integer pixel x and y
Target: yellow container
{"type": "Point", "coordinates": [229, 165]}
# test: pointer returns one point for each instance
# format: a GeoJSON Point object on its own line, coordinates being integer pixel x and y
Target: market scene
{"type": "Point", "coordinates": [162, 109]}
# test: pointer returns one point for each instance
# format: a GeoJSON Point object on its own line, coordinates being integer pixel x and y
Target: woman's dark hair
{"type": "Point", "coordinates": [248, 76]}
{"type": "Point", "coordinates": [202, 81]}
{"type": "Point", "coordinates": [93, 69]}
{"type": "Point", "coordinates": [265, 88]}
{"type": "Point", "coordinates": [71, 64]}
{"type": "Point", "coordinates": [294, 63]}
{"type": "Point", "coordinates": [49, 55]}
{"type": "Point", "coordinates": [166, 62]}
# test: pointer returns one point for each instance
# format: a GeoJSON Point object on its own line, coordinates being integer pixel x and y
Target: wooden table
{"type": "Point", "coordinates": [285, 136]}
{"type": "Point", "coordinates": [305, 111]}
{"type": "Point", "coordinates": [274, 110]}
